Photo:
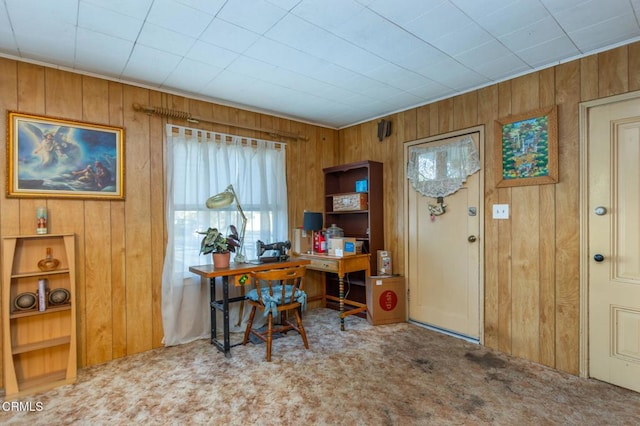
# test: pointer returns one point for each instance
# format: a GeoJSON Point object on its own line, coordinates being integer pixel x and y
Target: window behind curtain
{"type": "Point", "coordinates": [201, 164]}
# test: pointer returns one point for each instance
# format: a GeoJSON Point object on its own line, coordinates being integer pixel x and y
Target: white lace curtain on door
{"type": "Point", "coordinates": [442, 170]}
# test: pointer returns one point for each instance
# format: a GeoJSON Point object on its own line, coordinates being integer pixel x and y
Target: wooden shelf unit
{"type": "Point", "coordinates": [39, 347]}
{"type": "Point", "coordinates": [363, 225]}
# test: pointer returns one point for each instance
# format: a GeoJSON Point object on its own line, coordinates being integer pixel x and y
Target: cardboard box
{"type": "Point", "coordinates": [342, 246]}
{"type": "Point", "coordinates": [384, 263]}
{"type": "Point", "coordinates": [350, 202]}
{"type": "Point", "coordinates": [386, 301]}
{"type": "Point", "coordinates": [301, 242]}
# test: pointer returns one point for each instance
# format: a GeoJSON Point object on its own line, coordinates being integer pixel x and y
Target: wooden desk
{"type": "Point", "coordinates": [340, 266]}
{"type": "Point", "coordinates": [208, 271]}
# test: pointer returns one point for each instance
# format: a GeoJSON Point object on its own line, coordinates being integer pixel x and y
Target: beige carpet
{"type": "Point", "coordinates": [398, 374]}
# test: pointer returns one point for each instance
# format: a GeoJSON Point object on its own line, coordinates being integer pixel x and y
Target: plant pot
{"type": "Point", "coordinates": [221, 260]}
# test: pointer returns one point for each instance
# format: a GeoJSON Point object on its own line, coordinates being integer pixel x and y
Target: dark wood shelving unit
{"type": "Point", "coordinates": [364, 225]}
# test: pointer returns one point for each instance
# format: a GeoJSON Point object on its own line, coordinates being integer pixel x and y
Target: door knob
{"type": "Point", "coordinates": [598, 258]}
{"type": "Point", "coordinates": [600, 211]}
{"type": "Point", "coordinates": [472, 238]}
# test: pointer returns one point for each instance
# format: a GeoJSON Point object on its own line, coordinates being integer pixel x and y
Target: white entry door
{"type": "Point", "coordinates": [613, 180]}
{"type": "Point", "coordinates": [443, 252]}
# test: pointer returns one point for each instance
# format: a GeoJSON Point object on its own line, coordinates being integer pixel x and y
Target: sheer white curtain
{"type": "Point", "coordinates": [201, 164]}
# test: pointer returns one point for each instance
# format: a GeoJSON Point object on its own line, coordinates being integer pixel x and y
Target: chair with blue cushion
{"type": "Point", "coordinates": [277, 291]}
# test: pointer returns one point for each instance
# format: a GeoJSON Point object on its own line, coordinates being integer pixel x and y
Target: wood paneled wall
{"type": "Point", "coordinates": [531, 262]}
{"type": "Point", "coordinates": [120, 244]}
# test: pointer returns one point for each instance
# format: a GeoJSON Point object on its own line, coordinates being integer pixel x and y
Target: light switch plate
{"type": "Point", "coordinates": [501, 211]}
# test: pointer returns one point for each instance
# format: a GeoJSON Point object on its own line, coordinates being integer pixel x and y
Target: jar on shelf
{"type": "Point", "coordinates": [334, 231]}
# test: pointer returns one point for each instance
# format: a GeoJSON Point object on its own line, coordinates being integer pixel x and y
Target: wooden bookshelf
{"type": "Point", "coordinates": [39, 350]}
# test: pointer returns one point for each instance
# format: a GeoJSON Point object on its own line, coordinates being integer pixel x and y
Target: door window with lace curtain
{"type": "Point", "coordinates": [442, 170]}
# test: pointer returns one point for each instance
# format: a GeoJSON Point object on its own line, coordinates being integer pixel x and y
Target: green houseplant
{"type": "Point", "coordinates": [216, 243]}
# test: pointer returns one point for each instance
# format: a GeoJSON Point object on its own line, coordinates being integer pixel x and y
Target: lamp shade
{"type": "Point", "coordinates": [312, 221]}
{"type": "Point", "coordinates": [222, 199]}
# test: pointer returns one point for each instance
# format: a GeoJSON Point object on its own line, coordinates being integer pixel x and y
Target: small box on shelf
{"type": "Point", "coordinates": [362, 185]}
{"type": "Point", "coordinates": [350, 202]}
{"type": "Point", "coordinates": [342, 246]}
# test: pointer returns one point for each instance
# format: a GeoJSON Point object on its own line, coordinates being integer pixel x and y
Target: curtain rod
{"type": "Point", "coordinates": [172, 113]}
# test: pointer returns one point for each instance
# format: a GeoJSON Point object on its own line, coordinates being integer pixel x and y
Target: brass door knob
{"type": "Point", "coordinates": [472, 238]}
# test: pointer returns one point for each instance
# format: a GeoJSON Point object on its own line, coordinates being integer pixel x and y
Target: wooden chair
{"type": "Point", "coordinates": [277, 291]}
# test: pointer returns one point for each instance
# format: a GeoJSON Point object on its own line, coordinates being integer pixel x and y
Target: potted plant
{"type": "Point", "coordinates": [220, 246]}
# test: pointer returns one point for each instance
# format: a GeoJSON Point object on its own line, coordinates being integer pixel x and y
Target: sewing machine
{"type": "Point", "coordinates": [274, 252]}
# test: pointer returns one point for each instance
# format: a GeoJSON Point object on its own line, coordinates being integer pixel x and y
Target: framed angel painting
{"type": "Point", "coordinates": [57, 158]}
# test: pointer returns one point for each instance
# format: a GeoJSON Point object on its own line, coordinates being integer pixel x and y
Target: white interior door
{"type": "Point", "coordinates": [614, 243]}
{"type": "Point", "coordinates": [443, 252]}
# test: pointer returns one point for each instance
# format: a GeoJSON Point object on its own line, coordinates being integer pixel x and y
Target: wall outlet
{"type": "Point", "coordinates": [501, 211]}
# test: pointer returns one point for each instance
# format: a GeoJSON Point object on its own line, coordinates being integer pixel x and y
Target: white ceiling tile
{"type": "Point", "coordinates": [444, 19]}
{"type": "Point", "coordinates": [536, 33]}
{"type": "Point", "coordinates": [55, 45]}
{"type": "Point", "coordinates": [404, 11]}
{"type": "Point", "coordinates": [111, 61]}
{"type": "Point", "coordinates": [210, 54]}
{"type": "Point", "coordinates": [284, 4]}
{"type": "Point", "coordinates": [397, 77]}
{"type": "Point", "coordinates": [379, 90]}
{"type": "Point", "coordinates": [550, 52]}
{"type": "Point", "coordinates": [230, 36]}
{"type": "Point", "coordinates": [37, 12]}
{"type": "Point", "coordinates": [138, 65]}
{"type": "Point", "coordinates": [399, 99]}
{"type": "Point", "coordinates": [257, 15]}
{"type": "Point", "coordinates": [354, 58]}
{"type": "Point", "coordinates": [378, 36]}
{"type": "Point", "coordinates": [302, 35]}
{"type": "Point", "coordinates": [199, 74]}
{"type": "Point", "coordinates": [465, 38]}
{"type": "Point", "coordinates": [450, 73]}
{"type": "Point", "coordinates": [276, 53]}
{"type": "Point", "coordinates": [164, 39]}
{"type": "Point", "coordinates": [257, 69]}
{"type": "Point", "coordinates": [422, 58]}
{"type": "Point", "coordinates": [433, 90]}
{"type": "Point", "coordinates": [513, 16]}
{"type": "Point", "coordinates": [328, 14]}
{"type": "Point", "coordinates": [137, 9]}
{"type": "Point", "coordinates": [347, 79]}
{"type": "Point", "coordinates": [477, 9]}
{"type": "Point", "coordinates": [178, 17]}
{"type": "Point", "coordinates": [587, 13]}
{"type": "Point", "coordinates": [590, 10]}
{"type": "Point", "coordinates": [225, 84]}
{"type": "Point", "coordinates": [605, 33]}
{"type": "Point", "coordinates": [488, 52]}
{"type": "Point", "coordinates": [211, 7]}
{"type": "Point", "coordinates": [62, 56]}
{"type": "Point", "coordinates": [106, 21]}
{"type": "Point", "coordinates": [503, 66]}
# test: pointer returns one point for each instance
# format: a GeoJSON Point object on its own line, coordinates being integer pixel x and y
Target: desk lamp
{"type": "Point", "coordinates": [312, 221]}
{"type": "Point", "coordinates": [223, 199]}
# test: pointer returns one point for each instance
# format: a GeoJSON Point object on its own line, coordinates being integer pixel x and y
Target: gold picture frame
{"type": "Point", "coordinates": [527, 148]}
{"type": "Point", "coordinates": [58, 158]}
